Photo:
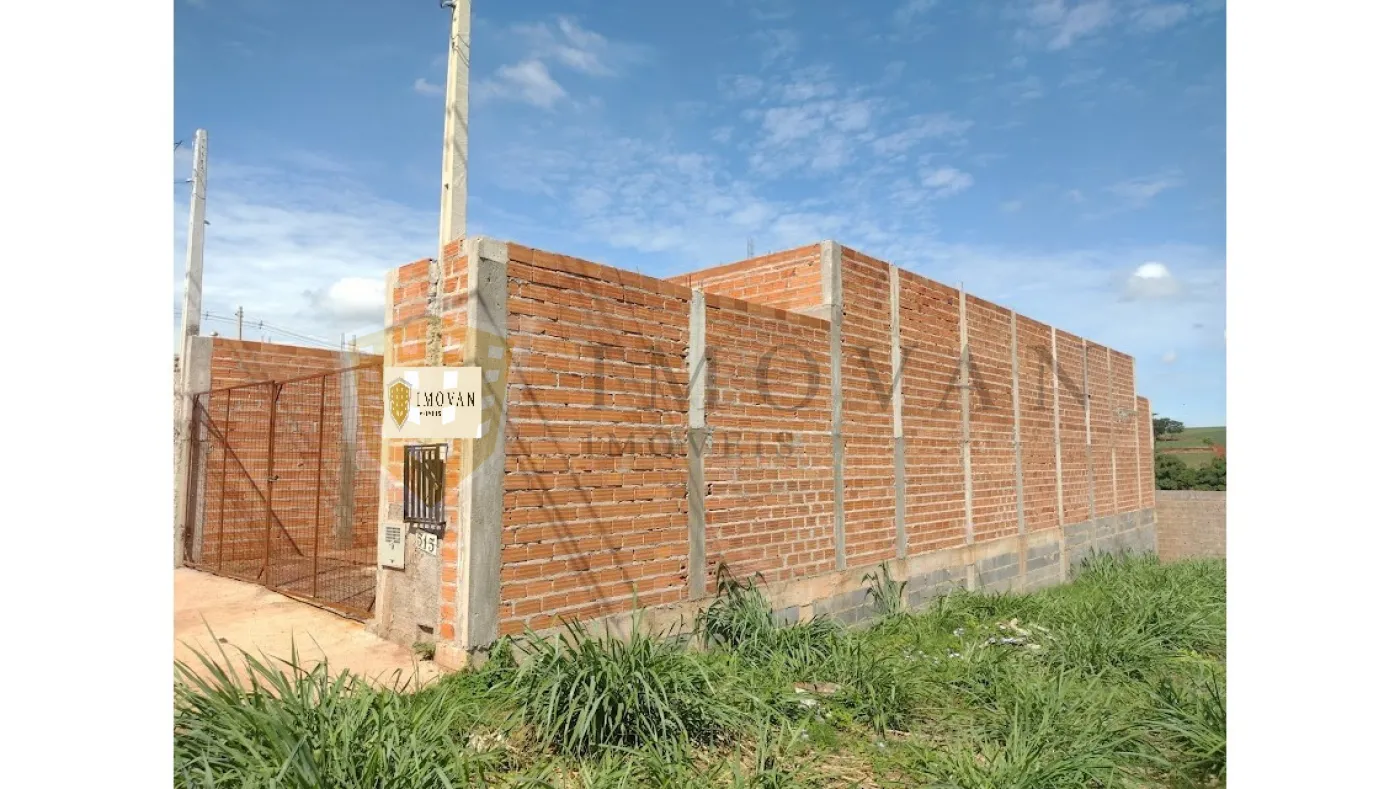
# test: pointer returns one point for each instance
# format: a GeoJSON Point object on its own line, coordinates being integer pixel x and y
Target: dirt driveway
{"type": "Point", "coordinates": [260, 621]}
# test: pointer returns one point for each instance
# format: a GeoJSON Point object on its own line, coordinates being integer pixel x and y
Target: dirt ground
{"type": "Point", "coordinates": [252, 618]}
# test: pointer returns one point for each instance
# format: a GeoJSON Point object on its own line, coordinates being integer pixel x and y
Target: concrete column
{"type": "Point", "coordinates": [1016, 448]}
{"type": "Point", "coordinates": [965, 397]}
{"type": "Point", "coordinates": [696, 441]}
{"type": "Point", "coordinates": [349, 448]}
{"type": "Point", "coordinates": [481, 501]}
{"type": "Point", "coordinates": [901, 538]}
{"type": "Point", "coordinates": [833, 302]}
{"type": "Point", "coordinates": [195, 372]}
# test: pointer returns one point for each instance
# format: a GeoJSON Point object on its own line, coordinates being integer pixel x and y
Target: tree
{"type": "Point", "coordinates": [1174, 474]}
{"type": "Point", "coordinates": [1211, 476]}
{"type": "Point", "coordinates": [1163, 426]}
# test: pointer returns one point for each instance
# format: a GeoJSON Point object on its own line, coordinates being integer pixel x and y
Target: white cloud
{"type": "Point", "coordinates": [946, 181]}
{"type": "Point", "coordinates": [356, 301]}
{"type": "Point", "coordinates": [1061, 24]}
{"type": "Point", "coordinates": [1138, 192]}
{"type": "Point", "coordinates": [1057, 25]}
{"type": "Point", "coordinates": [1151, 18]}
{"type": "Point", "coordinates": [910, 10]}
{"type": "Point", "coordinates": [527, 81]}
{"type": "Point", "coordinates": [427, 88]}
{"type": "Point", "coordinates": [569, 44]}
{"type": "Point", "coordinates": [1149, 281]}
{"type": "Point", "coordinates": [918, 129]}
{"type": "Point", "coordinates": [776, 46]}
{"type": "Point", "coordinates": [1169, 357]}
{"type": "Point", "coordinates": [1011, 206]}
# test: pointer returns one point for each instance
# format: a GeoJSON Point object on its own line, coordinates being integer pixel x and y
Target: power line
{"type": "Point", "coordinates": [260, 325]}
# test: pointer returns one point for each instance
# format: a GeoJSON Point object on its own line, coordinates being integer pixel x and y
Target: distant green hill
{"type": "Point", "coordinates": [1190, 444]}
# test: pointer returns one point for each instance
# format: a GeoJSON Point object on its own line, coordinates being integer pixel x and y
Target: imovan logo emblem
{"type": "Point", "coordinates": [399, 394]}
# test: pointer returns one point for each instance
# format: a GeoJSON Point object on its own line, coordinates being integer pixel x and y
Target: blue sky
{"type": "Point", "coordinates": [1064, 159]}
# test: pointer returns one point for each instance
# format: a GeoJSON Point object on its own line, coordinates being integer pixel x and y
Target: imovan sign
{"type": "Point", "coordinates": [432, 402]}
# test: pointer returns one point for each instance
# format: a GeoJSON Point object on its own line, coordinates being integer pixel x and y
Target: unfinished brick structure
{"type": "Point", "coordinates": [296, 422]}
{"type": "Point", "coordinates": [806, 415]}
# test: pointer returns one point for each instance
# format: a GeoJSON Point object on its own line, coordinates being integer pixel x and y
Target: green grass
{"type": "Point", "coordinates": [1114, 680]}
{"type": "Point", "coordinates": [1194, 437]}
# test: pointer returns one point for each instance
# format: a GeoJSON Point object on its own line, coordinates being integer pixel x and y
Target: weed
{"type": "Point", "coordinates": [298, 727]}
{"type": "Point", "coordinates": [887, 593]}
{"type": "Point", "coordinates": [582, 693]}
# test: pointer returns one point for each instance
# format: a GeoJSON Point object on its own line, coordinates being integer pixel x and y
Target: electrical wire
{"type": "Point", "coordinates": [260, 325]}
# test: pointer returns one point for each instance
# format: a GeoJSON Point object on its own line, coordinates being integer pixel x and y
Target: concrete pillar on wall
{"type": "Point", "coordinates": [833, 304]}
{"type": "Point", "coordinates": [481, 500]}
{"type": "Point", "coordinates": [190, 453]}
{"type": "Point", "coordinates": [1016, 448]}
{"type": "Point", "coordinates": [901, 537]}
{"type": "Point", "coordinates": [696, 441]}
{"type": "Point", "coordinates": [965, 392]}
{"type": "Point", "coordinates": [349, 451]}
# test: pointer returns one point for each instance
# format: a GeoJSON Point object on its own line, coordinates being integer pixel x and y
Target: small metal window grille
{"type": "Point", "coordinates": [424, 475]}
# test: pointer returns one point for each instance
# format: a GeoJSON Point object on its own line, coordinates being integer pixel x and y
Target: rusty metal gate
{"type": "Point", "coordinates": [284, 487]}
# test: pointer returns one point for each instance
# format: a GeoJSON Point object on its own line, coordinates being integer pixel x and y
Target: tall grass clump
{"type": "Point", "coordinates": [583, 693]}
{"type": "Point", "coordinates": [290, 726]}
{"type": "Point", "coordinates": [743, 621]}
{"type": "Point", "coordinates": [1188, 718]}
{"type": "Point", "coordinates": [887, 594]}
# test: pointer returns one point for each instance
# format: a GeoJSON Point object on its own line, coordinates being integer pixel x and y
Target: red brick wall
{"type": "Point", "coordinates": [1074, 455]}
{"type": "Point", "coordinates": [1147, 473]}
{"type": "Point", "coordinates": [789, 280]}
{"type": "Point", "coordinates": [595, 505]}
{"type": "Point", "coordinates": [867, 418]}
{"type": "Point", "coordinates": [1101, 426]}
{"type": "Point", "coordinates": [933, 472]}
{"type": "Point", "coordinates": [993, 455]}
{"type": "Point", "coordinates": [238, 362]}
{"type": "Point", "coordinates": [1124, 445]}
{"type": "Point", "coordinates": [595, 441]}
{"type": "Point", "coordinates": [1037, 422]}
{"type": "Point", "coordinates": [408, 337]}
{"type": "Point", "coordinates": [769, 504]}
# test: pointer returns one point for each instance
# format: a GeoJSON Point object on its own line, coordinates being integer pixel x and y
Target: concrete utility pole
{"type": "Point", "coordinates": [194, 366]}
{"type": "Point", "coordinates": [239, 315]}
{"type": "Point", "coordinates": [452, 223]}
{"type": "Point", "coordinates": [194, 249]}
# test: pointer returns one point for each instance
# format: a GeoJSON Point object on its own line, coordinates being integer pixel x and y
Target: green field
{"type": "Point", "coordinates": [1193, 438]}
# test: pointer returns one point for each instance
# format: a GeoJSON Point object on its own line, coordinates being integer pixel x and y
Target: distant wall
{"type": "Point", "coordinates": [1190, 523]}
